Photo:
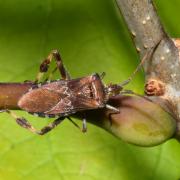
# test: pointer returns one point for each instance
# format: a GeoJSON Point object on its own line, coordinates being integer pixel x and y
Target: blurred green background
{"type": "Point", "coordinates": [91, 37]}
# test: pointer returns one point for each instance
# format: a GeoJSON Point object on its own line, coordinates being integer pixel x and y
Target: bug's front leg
{"type": "Point", "coordinates": [25, 124]}
{"type": "Point", "coordinates": [59, 65]}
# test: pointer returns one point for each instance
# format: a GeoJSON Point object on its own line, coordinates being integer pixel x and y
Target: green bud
{"type": "Point", "coordinates": [139, 122]}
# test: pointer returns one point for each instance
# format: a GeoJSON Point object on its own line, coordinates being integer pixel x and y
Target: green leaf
{"type": "Point", "coordinates": [91, 37]}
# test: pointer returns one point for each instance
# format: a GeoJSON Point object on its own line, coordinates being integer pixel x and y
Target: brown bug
{"type": "Point", "coordinates": [62, 98]}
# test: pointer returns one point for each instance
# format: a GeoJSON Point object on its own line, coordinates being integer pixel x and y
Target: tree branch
{"type": "Point", "coordinates": [162, 69]}
{"type": "Point", "coordinates": [10, 94]}
{"type": "Point", "coordinates": [143, 23]}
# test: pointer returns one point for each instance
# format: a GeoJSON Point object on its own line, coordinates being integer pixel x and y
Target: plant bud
{"type": "Point", "coordinates": [139, 121]}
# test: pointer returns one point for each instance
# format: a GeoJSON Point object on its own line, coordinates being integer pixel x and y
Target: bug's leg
{"type": "Point", "coordinates": [64, 73]}
{"type": "Point", "coordinates": [73, 122]}
{"type": "Point", "coordinates": [3, 110]}
{"type": "Point", "coordinates": [112, 108]}
{"type": "Point", "coordinates": [50, 126]}
{"type": "Point", "coordinates": [45, 66]}
{"type": "Point", "coordinates": [84, 125]}
{"type": "Point", "coordinates": [115, 111]}
{"type": "Point", "coordinates": [20, 120]}
{"type": "Point", "coordinates": [25, 124]}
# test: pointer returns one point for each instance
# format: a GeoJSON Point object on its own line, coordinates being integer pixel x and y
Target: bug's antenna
{"type": "Point", "coordinates": [146, 57]}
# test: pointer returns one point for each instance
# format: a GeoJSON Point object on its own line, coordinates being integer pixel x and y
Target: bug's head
{"type": "Point", "coordinates": [113, 89]}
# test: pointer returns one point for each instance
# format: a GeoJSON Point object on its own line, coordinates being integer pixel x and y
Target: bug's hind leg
{"type": "Point", "coordinates": [59, 65]}
{"type": "Point", "coordinates": [25, 124]}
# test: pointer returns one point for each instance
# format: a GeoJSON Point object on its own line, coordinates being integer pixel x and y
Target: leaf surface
{"type": "Point", "coordinates": [91, 37]}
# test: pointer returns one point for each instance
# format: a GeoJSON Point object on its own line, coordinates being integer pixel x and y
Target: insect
{"type": "Point", "coordinates": [61, 98]}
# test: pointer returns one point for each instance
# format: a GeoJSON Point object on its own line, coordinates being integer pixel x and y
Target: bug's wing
{"type": "Point", "coordinates": [73, 104]}
{"type": "Point", "coordinates": [81, 98]}
{"type": "Point", "coordinates": [39, 100]}
{"type": "Point", "coordinates": [65, 97]}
